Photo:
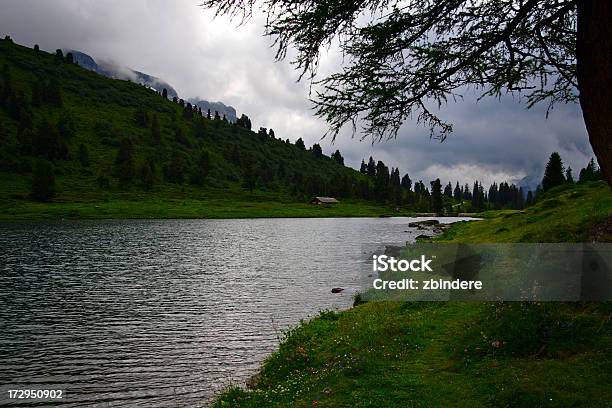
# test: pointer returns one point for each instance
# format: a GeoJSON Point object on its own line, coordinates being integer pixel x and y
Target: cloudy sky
{"type": "Point", "coordinates": [216, 60]}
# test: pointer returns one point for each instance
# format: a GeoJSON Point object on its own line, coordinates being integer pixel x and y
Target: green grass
{"type": "Point", "coordinates": [76, 200]}
{"type": "Point", "coordinates": [103, 112]}
{"type": "Point", "coordinates": [564, 214]}
{"type": "Point", "coordinates": [455, 354]}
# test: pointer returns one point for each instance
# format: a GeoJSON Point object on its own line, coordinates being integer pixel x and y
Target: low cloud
{"type": "Point", "coordinates": [199, 55]}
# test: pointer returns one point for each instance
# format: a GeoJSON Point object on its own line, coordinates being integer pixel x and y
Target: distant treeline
{"type": "Point", "coordinates": [58, 119]}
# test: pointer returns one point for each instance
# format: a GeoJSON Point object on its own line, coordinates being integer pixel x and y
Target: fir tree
{"type": "Point", "coordinates": [155, 131]}
{"type": "Point", "coordinates": [457, 195]}
{"type": "Point", "coordinates": [300, 144]}
{"type": "Point", "coordinates": [338, 157]}
{"type": "Point", "coordinates": [83, 155]}
{"type": "Point", "coordinates": [436, 196]}
{"type": "Point", "coordinates": [568, 175]}
{"type": "Point", "coordinates": [43, 183]}
{"type": "Point", "coordinates": [125, 161]}
{"type": "Point", "coordinates": [553, 175]}
{"type": "Point", "coordinates": [406, 182]}
{"type": "Point", "coordinates": [371, 167]}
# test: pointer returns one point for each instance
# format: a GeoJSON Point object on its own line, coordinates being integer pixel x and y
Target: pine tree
{"type": "Point", "coordinates": [381, 182]}
{"type": "Point", "coordinates": [530, 199]}
{"type": "Point", "coordinates": [553, 175]}
{"type": "Point", "coordinates": [165, 93]}
{"type": "Point", "coordinates": [83, 155]}
{"type": "Point", "coordinates": [363, 169]}
{"type": "Point", "coordinates": [448, 190]}
{"type": "Point", "coordinates": [406, 182]}
{"type": "Point", "coordinates": [316, 150]}
{"type": "Point", "coordinates": [457, 195]}
{"type": "Point", "coordinates": [202, 168]}
{"type": "Point", "coordinates": [568, 175]}
{"type": "Point", "coordinates": [371, 167]}
{"type": "Point", "coordinates": [155, 131]}
{"type": "Point", "coordinates": [43, 183]}
{"type": "Point", "coordinates": [436, 196]}
{"type": "Point", "coordinates": [300, 144]}
{"type": "Point", "coordinates": [217, 117]}
{"type": "Point", "coordinates": [271, 134]}
{"type": "Point", "coordinates": [338, 157]}
{"type": "Point", "coordinates": [147, 174]}
{"type": "Point", "coordinates": [125, 160]}
{"type": "Point", "coordinates": [590, 173]}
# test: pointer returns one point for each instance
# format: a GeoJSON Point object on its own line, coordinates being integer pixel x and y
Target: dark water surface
{"type": "Point", "coordinates": [167, 313]}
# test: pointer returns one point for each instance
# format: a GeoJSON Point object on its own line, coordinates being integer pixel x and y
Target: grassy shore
{"type": "Point", "coordinates": [77, 199]}
{"type": "Point", "coordinates": [455, 354]}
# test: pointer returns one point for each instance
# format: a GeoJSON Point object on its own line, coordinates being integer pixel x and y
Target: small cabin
{"type": "Point", "coordinates": [323, 201]}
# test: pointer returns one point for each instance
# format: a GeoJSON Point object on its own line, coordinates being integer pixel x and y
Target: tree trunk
{"type": "Point", "coordinates": [594, 65]}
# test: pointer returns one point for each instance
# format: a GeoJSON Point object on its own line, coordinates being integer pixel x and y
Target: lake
{"type": "Point", "coordinates": [168, 312]}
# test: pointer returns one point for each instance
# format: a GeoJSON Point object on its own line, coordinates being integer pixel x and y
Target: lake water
{"type": "Point", "coordinates": [167, 312]}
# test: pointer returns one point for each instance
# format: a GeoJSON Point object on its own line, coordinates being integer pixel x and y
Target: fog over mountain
{"type": "Point", "coordinates": [198, 55]}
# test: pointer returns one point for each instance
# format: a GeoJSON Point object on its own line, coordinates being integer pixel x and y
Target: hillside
{"type": "Point", "coordinates": [456, 354]}
{"type": "Point", "coordinates": [118, 149]}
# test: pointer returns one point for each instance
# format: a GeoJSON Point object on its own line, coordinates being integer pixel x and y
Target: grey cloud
{"type": "Point", "coordinates": [214, 59]}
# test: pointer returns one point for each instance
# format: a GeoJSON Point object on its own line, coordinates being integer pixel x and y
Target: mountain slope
{"type": "Point", "coordinates": [115, 140]}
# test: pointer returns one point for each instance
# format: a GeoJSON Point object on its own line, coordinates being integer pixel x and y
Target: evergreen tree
{"type": "Point", "coordinates": [316, 150]}
{"type": "Point", "coordinates": [406, 182]}
{"type": "Point", "coordinates": [43, 183]}
{"type": "Point", "coordinates": [371, 167]}
{"type": "Point", "coordinates": [568, 175]}
{"type": "Point", "coordinates": [553, 175]}
{"type": "Point", "coordinates": [125, 161]}
{"type": "Point", "coordinates": [36, 47]}
{"type": "Point", "coordinates": [202, 168]}
{"type": "Point", "coordinates": [448, 190]}
{"type": "Point", "coordinates": [457, 195]}
{"type": "Point", "coordinates": [217, 117]}
{"type": "Point", "coordinates": [165, 93]}
{"type": "Point", "coordinates": [70, 58]}
{"type": "Point", "coordinates": [530, 199]}
{"type": "Point", "coordinates": [243, 121]}
{"type": "Point", "coordinates": [208, 115]}
{"type": "Point", "coordinates": [147, 174]}
{"type": "Point", "coordinates": [141, 117]}
{"type": "Point", "coordinates": [66, 126]}
{"type": "Point", "coordinates": [53, 94]}
{"type": "Point", "coordinates": [37, 94]}
{"type": "Point", "coordinates": [590, 173]}
{"type": "Point", "coordinates": [46, 141]}
{"type": "Point", "coordinates": [83, 155]}
{"type": "Point", "coordinates": [363, 169]}
{"type": "Point", "coordinates": [338, 157]}
{"type": "Point", "coordinates": [155, 131]}
{"type": "Point", "coordinates": [248, 172]}
{"type": "Point", "coordinates": [436, 196]}
{"type": "Point", "coordinates": [59, 54]}
{"type": "Point", "coordinates": [396, 186]}
{"type": "Point", "coordinates": [271, 134]}
{"type": "Point", "coordinates": [300, 144]}
{"type": "Point", "coordinates": [175, 169]}
{"type": "Point", "coordinates": [381, 182]}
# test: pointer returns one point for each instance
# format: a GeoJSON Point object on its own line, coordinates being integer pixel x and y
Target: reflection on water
{"type": "Point", "coordinates": [166, 313]}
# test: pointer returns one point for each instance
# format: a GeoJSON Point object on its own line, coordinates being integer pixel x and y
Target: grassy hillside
{"type": "Point", "coordinates": [455, 354]}
{"type": "Point", "coordinates": [195, 167]}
